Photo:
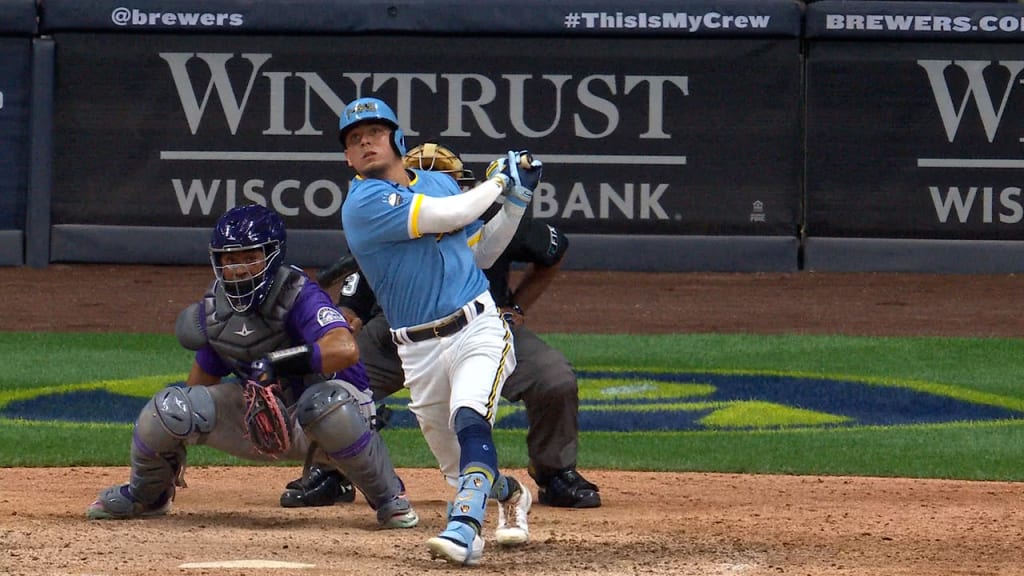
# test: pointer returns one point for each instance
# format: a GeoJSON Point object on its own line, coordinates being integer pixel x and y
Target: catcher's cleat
{"type": "Point", "coordinates": [322, 487]}
{"type": "Point", "coordinates": [117, 503]}
{"type": "Point", "coordinates": [512, 517]}
{"type": "Point", "coordinates": [400, 520]}
{"type": "Point", "coordinates": [397, 513]}
{"type": "Point", "coordinates": [458, 544]}
{"type": "Point", "coordinates": [567, 489]}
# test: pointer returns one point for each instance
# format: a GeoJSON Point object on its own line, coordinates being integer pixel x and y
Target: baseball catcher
{"type": "Point", "coordinates": [276, 373]}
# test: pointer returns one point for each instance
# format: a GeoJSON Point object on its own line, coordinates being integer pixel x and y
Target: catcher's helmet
{"type": "Point", "coordinates": [246, 228]}
{"type": "Point", "coordinates": [436, 158]}
{"type": "Point", "coordinates": [371, 109]}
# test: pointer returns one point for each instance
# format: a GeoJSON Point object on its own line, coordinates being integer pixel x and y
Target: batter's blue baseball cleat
{"type": "Point", "coordinates": [458, 544]}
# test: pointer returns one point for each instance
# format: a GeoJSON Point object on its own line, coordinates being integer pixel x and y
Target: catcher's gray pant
{"type": "Point", "coordinates": [543, 379]}
{"type": "Point", "coordinates": [214, 416]}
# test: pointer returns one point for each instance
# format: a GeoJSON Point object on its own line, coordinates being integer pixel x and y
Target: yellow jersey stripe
{"type": "Point", "coordinates": [414, 216]}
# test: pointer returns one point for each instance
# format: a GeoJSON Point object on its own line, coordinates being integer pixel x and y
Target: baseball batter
{"type": "Point", "coordinates": [407, 229]}
{"type": "Point", "coordinates": [543, 379]}
{"type": "Point", "coordinates": [265, 324]}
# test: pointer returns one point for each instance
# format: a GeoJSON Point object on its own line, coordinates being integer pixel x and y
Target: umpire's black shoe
{"type": "Point", "coordinates": [323, 487]}
{"type": "Point", "coordinates": [567, 489]}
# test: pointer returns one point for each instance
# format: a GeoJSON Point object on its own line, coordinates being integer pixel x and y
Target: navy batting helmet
{"type": "Point", "coordinates": [371, 109]}
{"type": "Point", "coordinates": [245, 228]}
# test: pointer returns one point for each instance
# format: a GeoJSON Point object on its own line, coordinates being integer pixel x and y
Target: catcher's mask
{"type": "Point", "coordinates": [248, 228]}
{"type": "Point", "coordinates": [371, 110]}
{"type": "Point", "coordinates": [436, 158]}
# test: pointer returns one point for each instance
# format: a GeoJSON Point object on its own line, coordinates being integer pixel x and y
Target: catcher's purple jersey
{"type": "Point", "coordinates": [312, 315]}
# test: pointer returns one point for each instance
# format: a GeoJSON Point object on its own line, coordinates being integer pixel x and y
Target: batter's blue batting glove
{"type": "Point", "coordinates": [524, 169]}
{"type": "Point", "coordinates": [521, 174]}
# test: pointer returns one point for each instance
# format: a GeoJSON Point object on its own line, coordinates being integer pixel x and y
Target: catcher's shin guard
{"type": "Point", "coordinates": [167, 421]}
{"type": "Point", "coordinates": [330, 416]}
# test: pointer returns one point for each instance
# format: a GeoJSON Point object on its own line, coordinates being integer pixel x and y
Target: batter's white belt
{"type": "Point", "coordinates": [446, 326]}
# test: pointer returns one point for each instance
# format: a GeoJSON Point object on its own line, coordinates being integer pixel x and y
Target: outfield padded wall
{"type": "Point", "coordinates": [17, 26]}
{"type": "Point", "coordinates": [679, 136]}
{"type": "Point", "coordinates": [914, 124]}
{"type": "Point", "coordinates": [662, 125]}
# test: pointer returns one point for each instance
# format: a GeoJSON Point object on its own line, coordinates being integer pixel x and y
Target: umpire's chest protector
{"type": "Point", "coordinates": [249, 337]}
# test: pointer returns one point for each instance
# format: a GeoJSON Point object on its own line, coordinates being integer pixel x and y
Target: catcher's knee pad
{"type": "Point", "coordinates": [175, 414]}
{"type": "Point", "coordinates": [330, 415]}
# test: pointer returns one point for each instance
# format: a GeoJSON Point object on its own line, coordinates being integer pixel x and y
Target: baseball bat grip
{"type": "Point", "coordinates": [525, 161]}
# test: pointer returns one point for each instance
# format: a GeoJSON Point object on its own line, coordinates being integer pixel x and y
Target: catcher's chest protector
{"type": "Point", "coordinates": [249, 337]}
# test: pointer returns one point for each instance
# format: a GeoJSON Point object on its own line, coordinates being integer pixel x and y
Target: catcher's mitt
{"type": "Point", "coordinates": [266, 418]}
{"type": "Point", "coordinates": [436, 158]}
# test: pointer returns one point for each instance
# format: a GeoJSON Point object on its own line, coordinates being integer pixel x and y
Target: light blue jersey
{"type": "Point", "coordinates": [417, 279]}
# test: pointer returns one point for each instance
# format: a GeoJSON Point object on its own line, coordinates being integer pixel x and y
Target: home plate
{"type": "Point", "coordinates": [246, 564]}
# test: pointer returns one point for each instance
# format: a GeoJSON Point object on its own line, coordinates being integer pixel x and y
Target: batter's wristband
{"type": "Point", "coordinates": [297, 361]}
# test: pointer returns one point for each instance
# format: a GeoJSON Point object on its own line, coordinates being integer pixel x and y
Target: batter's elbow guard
{"type": "Point", "coordinates": [558, 245]}
{"type": "Point", "coordinates": [190, 327]}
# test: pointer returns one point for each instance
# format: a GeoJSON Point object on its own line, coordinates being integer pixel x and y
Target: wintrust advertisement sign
{"type": "Point", "coordinates": [638, 135]}
{"type": "Point", "coordinates": [915, 139]}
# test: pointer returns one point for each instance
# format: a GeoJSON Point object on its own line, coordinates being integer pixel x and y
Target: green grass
{"type": "Point", "coordinates": [987, 371]}
{"type": "Point", "coordinates": [993, 365]}
{"type": "Point", "coordinates": [34, 360]}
